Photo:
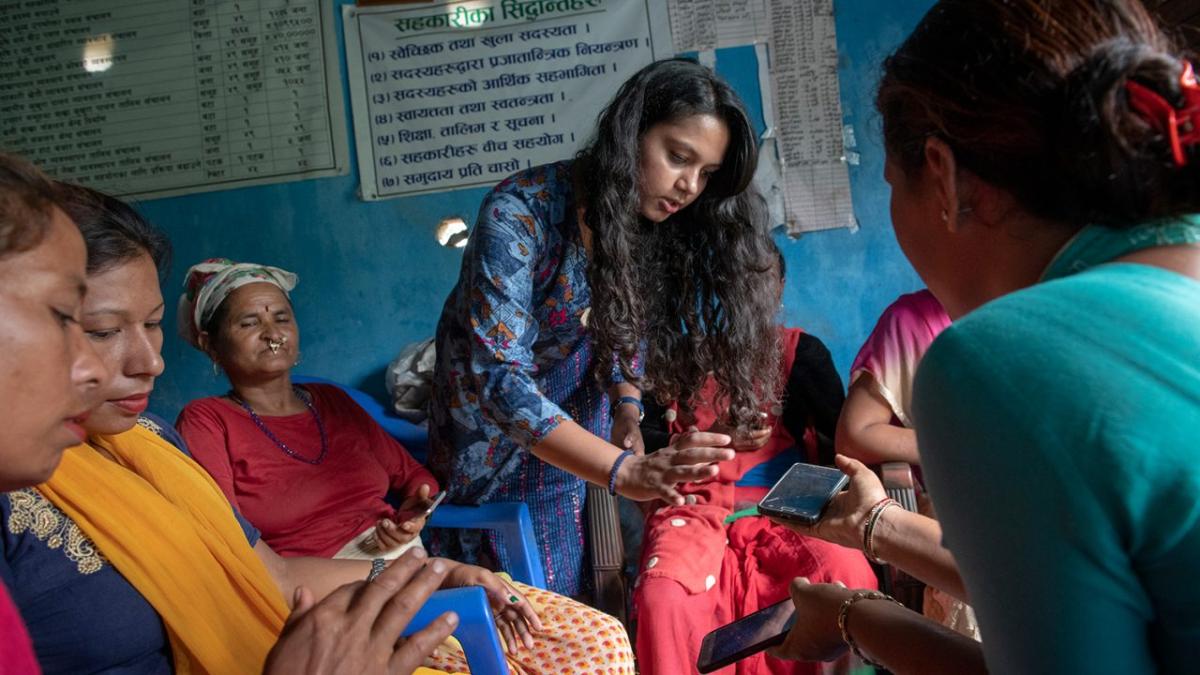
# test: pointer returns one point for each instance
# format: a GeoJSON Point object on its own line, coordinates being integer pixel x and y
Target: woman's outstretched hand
{"type": "Point", "coordinates": [516, 619]}
{"type": "Point", "coordinates": [356, 629]}
{"type": "Point", "coordinates": [691, 457]}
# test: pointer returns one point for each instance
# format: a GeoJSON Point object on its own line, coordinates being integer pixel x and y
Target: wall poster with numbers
{"type": "Point", "coordinates": [462, 93]}
{"type": "Point", "coordinates": [142, 98]}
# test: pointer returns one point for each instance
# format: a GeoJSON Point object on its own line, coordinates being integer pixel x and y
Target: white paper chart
{"type": "Point", "coordinates": [697, 25]}
{"type": "Point", "coordinates": [803, 163]}
{"type": "Point", "coordinates": [462, 93]}
{"type": "Point", "coordinates": [148, 99]}
{"type": "Point", "coordinates": [808, 115]}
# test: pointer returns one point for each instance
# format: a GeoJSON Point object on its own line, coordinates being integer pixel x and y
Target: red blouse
{"type": "Point", "coordinates": [303, 509]}
{"type": "Point", "coordinates": [16, 651]}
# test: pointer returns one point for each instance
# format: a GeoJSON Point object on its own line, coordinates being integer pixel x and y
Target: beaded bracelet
{"type": "Point", "coordinates": [869, 531]}
{"type": "Point", "coordinates": [612, 474]}
{"type": "Point", "coordinates": [844, 614]}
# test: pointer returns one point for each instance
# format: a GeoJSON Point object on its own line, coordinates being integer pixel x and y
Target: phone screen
{"type": "Point", "coordinates": [802, 493]}
{"type": "Point", "coordinates": [748, 635]}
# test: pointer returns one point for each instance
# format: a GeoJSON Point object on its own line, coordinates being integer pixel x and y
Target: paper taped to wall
{"type": "Point", "coordinates": [807, 114]}
{"type": "Point", "coordinates": [710, 24]}
{"type": "Point", "coordinates": [150, 99]}
{"type": "Point", "coordinates": [455, 94]}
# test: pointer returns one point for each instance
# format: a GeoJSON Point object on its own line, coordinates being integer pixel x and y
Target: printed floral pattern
{"type": "Point", "coordinates": [578, 640]}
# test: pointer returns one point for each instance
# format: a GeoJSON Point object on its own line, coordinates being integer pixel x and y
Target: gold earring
{"type": "Point", "coordinates": [945, 216]}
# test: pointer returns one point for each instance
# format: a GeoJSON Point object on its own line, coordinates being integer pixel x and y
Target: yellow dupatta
{"type": "Point", "coordinates": [163, 523]}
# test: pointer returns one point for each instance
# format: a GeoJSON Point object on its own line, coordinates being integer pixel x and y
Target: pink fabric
{"type": "Point", "coordinates": [16, 649]}
{"type": "Point", "coordinates": [303, 509]}
{"type": "Point", "coordinates": [891, 354]}
{"type": "Point", "coordinates": [697, 573]}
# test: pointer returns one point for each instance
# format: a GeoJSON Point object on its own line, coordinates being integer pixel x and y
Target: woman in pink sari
{"type": "Point", "coordinates": [876, 425]}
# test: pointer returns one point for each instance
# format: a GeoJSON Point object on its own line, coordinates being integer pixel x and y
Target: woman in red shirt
{"type": "Point", "coordinates": [305, 464]}
{"type": "Point", "coordinates": [311, 469]}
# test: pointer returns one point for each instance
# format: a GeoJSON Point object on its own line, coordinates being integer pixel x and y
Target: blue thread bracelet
{"type": "Point", "coordinates": [612, 474]}
{"type": "Point", "coordinates": [634, 401]}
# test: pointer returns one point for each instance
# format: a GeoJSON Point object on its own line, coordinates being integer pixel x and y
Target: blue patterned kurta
{"type": "Point", "coordinates": [514, 360]}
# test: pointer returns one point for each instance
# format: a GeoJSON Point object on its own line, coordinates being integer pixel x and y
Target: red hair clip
{"type": "Point", "coordinates": [1181, 126]}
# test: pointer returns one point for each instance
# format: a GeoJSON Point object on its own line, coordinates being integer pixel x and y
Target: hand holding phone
{"type": "Point", "coordinates": [843, 519]}
{"type": "Point", "coordinates": [814, 635]}
{"type": "Point", "coordinates": [437, 500]}
{"type": "Point", "coordinates": [747, 636]}
{"type": "Point", "coordinates": [418, 507]}
{"type": "Point", "coordinates": [406, 524]}
{"type": "Point", "coordinates": [802, 494]}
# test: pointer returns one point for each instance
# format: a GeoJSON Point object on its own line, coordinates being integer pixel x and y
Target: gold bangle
{"type": "Point", "coordinates": [844, 614]}
{"type": "Point", "coordinates": [869, 534]}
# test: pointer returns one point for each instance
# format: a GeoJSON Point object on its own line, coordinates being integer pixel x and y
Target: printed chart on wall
{"type": "Point", "coordinates": [150, 99]}
{"type": "Point", "coordinates": [802, 168]}
{"type": "Point", "coordinates": [457, 94]}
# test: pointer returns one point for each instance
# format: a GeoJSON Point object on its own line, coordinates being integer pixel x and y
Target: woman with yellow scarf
{"type": "Point", "coordinates": [50, 380]}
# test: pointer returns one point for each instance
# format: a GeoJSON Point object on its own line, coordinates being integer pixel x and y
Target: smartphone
{"type": "Point", "coordinates": [437, 499]}
{"type": "Point", "coordinates": [748, 635]}
{"type": "Point", "coordinates": [802, 494]}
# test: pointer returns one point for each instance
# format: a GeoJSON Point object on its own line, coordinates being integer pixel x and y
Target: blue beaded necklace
{"type": "Point", "coordinates": [303, 396]}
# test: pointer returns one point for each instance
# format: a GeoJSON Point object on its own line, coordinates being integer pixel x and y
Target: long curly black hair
{"type": "Point", "coordinates": [698, 289]}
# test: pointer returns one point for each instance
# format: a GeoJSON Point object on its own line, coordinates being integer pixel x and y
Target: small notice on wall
{"type": "Point", "coordinates": [697, 25]}
{"type": "Point", "coordinates": [802, 166]}
{"type": "Point", "coordinates": [462, 93]}
{"type": "Point", "coordinates": [808, 115]}
{"type": "Point", "coordinates": [150, 99]}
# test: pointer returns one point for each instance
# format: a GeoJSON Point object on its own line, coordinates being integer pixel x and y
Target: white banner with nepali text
{"type": "Point", "coordinates": [462, 93]}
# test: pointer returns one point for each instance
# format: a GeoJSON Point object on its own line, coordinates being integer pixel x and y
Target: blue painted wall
{"type": "Point", "coordinates": [839, 281]}
{"type": "Point", "coordinates": [373, 278]}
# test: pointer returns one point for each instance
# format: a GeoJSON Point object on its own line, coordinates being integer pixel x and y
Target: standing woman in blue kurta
{"type": "Point", "coordinates": [587, 282]}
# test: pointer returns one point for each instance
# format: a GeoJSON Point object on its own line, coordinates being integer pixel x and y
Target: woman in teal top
{"type": "Point", "coordinates": [1068, 482]}
{"type": "Point", "coordinates": [1044, 159]}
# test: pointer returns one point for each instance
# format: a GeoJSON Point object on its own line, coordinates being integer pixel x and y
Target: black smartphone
{"type": "Point", "coordinates": [748, 635]}
{"type": "Point", "coordinates": [437, 499]}
{"type": "Point", "coordinates": [802, 494]}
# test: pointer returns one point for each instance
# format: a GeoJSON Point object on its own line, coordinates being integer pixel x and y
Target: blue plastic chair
{"type": "Point", "coordinates": [770, 471]}
{"type": "Point", "coordinates": [476, 627]}
{"type": "Point", "coordinates": [413, 437]}
{"type": "Point", "coordinates": [511, 520]}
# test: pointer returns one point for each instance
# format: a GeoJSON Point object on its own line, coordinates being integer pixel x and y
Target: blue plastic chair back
{"type": "Point", "coordinates": [770, 471]}
{"type": "Point", "coordinates": [476, 627]}
{"type": "Point", "coordinates": [413, 437]}
{"type": "Point", "coordinates": [512, 522]}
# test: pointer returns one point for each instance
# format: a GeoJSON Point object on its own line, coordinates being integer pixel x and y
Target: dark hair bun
{"type": "Point", "coordinates": [1122, 165]}
{"type": "Point", "coordinates": [1032, 96]}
